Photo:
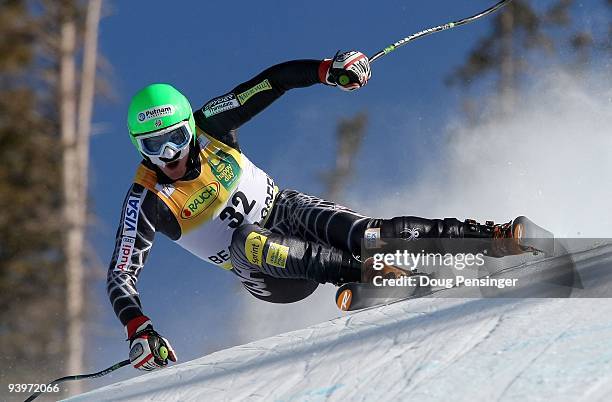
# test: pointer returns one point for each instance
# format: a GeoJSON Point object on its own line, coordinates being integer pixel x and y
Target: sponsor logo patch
{"type": "Point", "coordinates": [130, 218]}
{"type": "Point", "coordinates": [410, 234]}
{"type": "Point", "coordinates": [345, 56]}
{"type": "Point", "coordinates": [199, 201]}
{"type": "Point", "coordinates": [246, 95]}
{"type": "Point", "coordinates": [155, 113]}
{"type": "Point", "coordinates": [371, 237]}
{"type": "Point", "coordinates": [225, 168]}
{"type": "Point", "coordinates": [136, 352]}
{"type": "Point", "coordinates": [277, 255]}
{"type": "Point", "coordinates": [125, 253]}
{"type": "Point", "coordinates": [220, 104]}
{"type": "Point", "coordinates": [253, 247]}
{"type": "Point", "coordinates": [203, 141]}
{"type": "Point", "coordinates": [165, 189]}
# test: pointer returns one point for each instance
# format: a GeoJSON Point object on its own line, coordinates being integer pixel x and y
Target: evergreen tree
{"type": "Point", "coordinates": [31, 269]}
{"type": "Point", "coordinates": [519, 28]}
{"type": "Point", "coordinates": [47, 72]}
{"type": "Point", "coordinates": [349, 136]}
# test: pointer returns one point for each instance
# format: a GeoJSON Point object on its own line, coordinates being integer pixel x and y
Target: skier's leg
{"type": "Point", "coordinates": [325, 222]}
{"type": "Point", "coordinates": [261, 258]}
{"type": "Point", "coordinates": [495, 240]}
{"type": "Point", "coordinates": [317, 220]}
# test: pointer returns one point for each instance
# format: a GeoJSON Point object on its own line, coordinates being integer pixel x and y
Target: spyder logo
{"type": "Point", "coordinates": [410, 234]}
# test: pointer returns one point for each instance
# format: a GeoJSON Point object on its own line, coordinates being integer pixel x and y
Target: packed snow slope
{"type": "Point", "coordinates": [427, 349]}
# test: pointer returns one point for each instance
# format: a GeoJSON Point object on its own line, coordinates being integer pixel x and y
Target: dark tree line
{"type": "Point", "coordinates": [41, 42]}
{"type": "Point", "coordinates": [31, 272]}
{"type": "Point", "coordinates": [520, 28]}
{"type": "Point", "coordinates": [349, 136]}
{"type": "Point", "coordinates": [518, 32]}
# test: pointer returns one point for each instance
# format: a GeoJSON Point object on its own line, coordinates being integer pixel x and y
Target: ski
{"type": "Point", "coordinates": [357, 296]}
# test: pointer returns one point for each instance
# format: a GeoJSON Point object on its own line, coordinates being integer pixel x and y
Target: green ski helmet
{"type": "Point", "coordinates": [154, 109]}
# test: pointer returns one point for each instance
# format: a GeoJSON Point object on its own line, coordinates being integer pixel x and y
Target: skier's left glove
{"type": "Point", "coordinates": [148, 350]}
{"type": "Point", "coordinates": [348, 71]}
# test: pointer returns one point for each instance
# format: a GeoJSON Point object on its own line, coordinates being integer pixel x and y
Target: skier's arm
{"type": "Point", "coordinates": [132, 244]}
{"type": "Point", "coordinates": [221, 116]}
{"type": "Point", "coordinates": [143, 214]}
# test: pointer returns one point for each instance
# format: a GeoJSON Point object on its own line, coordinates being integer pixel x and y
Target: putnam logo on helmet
{"type": "Point", "coordinates": [155, 113]}
{"type": "Point", "coordinates": [200, 200]}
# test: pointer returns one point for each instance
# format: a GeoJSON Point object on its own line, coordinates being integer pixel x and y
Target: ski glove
{"type": "Point", "coordinates": [148, 350]}
{"type": "Point", "coordinates": [348, 71]}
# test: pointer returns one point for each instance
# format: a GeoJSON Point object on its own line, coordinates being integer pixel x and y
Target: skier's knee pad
{"type": "Point", "coordinates": [276, 255]}
{"type": "Point", "coordinates": [247, 247]}
{"type": "Point", "coordinates": [256, 250]}
{"type": "Point", "coordinates": [249, 263]}
{"type": "Point", "coordinates": [242, 232]}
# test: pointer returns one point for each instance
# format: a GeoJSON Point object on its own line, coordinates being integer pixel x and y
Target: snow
{"type": "Point", "coordinates": [428, 349]}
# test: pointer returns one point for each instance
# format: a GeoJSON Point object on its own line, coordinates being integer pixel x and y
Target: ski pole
{"type": "Point", "coordinates": [82, 377]}
{"type": "Point", "coordinates": [439, 28]}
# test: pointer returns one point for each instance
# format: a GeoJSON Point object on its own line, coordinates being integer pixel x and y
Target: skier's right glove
{"type": "Point", "coordinates": [148, 350]}
{"type": "Point", "coordinates": [348, 71]}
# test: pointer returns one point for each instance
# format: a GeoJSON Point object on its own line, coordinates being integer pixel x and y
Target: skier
{"type": "Point", "coordinates": [196, 186]}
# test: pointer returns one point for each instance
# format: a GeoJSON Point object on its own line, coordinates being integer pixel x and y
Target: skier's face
{"type": "Point", "coordinates": [175, 169]}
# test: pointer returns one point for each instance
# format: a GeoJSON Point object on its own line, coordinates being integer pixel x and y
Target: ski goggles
{"type": "Point", "coordinates": [166, 142]}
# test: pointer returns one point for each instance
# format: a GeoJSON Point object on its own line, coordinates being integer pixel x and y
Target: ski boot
{"type": "Point", "coordinates": [387, 272]}
{"type": "Point", "coordinates": [450, 235]}
{"type": "Point", "coordinates": [518, 236]}
{"type": "Point", "coordinates": [358, 295]}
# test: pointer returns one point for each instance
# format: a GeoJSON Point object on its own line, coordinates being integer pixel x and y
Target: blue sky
{"type": "Point", "coordinates": [206, 48]}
